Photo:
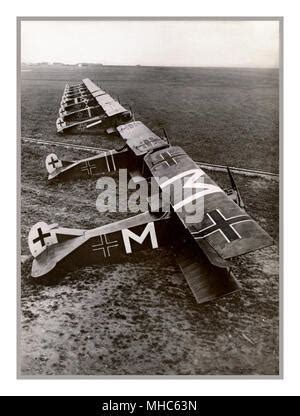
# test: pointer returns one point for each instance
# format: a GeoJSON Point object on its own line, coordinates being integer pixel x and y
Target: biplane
{"type": "Point", "coordinates": [203, 249]}
{"type": "Point", "coordinates": [85, 107]}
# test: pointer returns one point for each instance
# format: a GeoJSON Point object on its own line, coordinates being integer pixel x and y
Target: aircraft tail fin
{"type": "Point", "coordinates": [54, 165]}
{"type": "Point", "coordinates": [49, 244]}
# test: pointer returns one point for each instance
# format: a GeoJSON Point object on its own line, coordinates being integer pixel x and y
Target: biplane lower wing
{"type": "Point", "coordinates": [206, 281]}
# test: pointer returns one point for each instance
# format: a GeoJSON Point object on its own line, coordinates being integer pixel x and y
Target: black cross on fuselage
{"type": "Point", "coordinates": [104, 245]}
{"type": "Point", "coordinates": [60, 123]}
{"type": "Point", "coordinates": [53, 162]}
{"type": "Point", "coordinates": [223, 225]}
{"type": "Point", "coordinates": [41, 237]}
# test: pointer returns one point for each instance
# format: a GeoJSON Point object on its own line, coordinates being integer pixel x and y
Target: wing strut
{"type": "Point", "coordinates": [238, 198]}
{"type": "Point", "coordinates": [206, 281]}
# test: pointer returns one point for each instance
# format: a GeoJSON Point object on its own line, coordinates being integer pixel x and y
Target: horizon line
{"type": "Point", "coordinates": [142, 65]}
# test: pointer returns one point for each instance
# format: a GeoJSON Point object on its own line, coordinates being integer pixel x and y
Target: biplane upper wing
{"type": "Point", "coordinates": [110, 106]}
{"type": "Point", "coordinates": [139, 138]}
{"type": "Point", "coordinates": [92, 88]}
{"type": "Point", "coordinates": [223, 228]}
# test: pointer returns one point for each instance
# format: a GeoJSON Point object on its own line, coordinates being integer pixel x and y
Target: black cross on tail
{"type": "Point", "coordinates": [222, 225]}
{"type": "Point", "coordinates": [41, 237]}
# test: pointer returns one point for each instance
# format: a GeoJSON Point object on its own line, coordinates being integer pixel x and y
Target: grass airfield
{"type": "Point", "coordinates": [133, 318]}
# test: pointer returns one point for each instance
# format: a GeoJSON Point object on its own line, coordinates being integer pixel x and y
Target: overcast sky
{"type": "Point", "coordinates": [170, 43]}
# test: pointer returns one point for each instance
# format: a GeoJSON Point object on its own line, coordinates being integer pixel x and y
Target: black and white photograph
{"type": "Point", "coordinates": [149, 153]}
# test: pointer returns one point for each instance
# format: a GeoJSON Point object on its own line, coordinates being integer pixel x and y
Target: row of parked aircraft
{"type": "Point", "coordinates": [203, 249]}
{"type": "Point", "coordinates": [87, 108]}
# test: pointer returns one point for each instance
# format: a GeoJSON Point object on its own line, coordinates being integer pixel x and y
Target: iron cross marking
{"type": "Point", "coordinates": [222, 225]}
{"type": "Point", "coordinates": [168, 158]}
{"type": "Point", "coordinates": [53, 162]}
{"type": "Point", "coordinates": [88, 167]}
{"type": "Point", "coordinates": [104, 245]}
{"type": "Point", "coordinates": [41, 237]}
{"type": "Point", "coordinates": [147, 143]}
